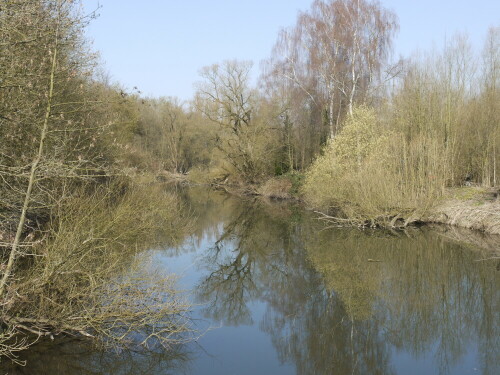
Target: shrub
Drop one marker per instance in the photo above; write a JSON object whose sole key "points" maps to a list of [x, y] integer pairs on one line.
{"points": [[91, 276], [369, 173]]}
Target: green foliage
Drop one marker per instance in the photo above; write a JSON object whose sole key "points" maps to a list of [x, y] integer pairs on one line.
{"points": [[438, 130], [371, 173], [297, 180], [341, 159]]}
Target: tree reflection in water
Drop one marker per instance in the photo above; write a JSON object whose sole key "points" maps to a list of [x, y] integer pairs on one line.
{"points": [[337, 301], [344, 301], [75, 356]]}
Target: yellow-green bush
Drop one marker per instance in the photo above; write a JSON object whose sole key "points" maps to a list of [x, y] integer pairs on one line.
{"points": [[371, 173]]}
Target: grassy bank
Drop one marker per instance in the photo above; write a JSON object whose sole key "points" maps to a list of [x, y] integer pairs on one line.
{"points": [[473, 208]]}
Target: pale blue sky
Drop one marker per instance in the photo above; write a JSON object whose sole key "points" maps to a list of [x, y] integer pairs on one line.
{"points": [[160, 45]]}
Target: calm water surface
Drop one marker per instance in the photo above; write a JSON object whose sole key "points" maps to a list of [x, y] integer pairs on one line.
{"points": [[276, 293]]}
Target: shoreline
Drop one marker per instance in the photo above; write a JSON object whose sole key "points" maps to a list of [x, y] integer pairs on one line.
{"points": [[473, 208], [483, 217]]}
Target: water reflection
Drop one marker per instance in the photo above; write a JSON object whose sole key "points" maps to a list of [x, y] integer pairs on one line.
{"points": [[333, 301], [237, 265], [345, 301], [74, 356]]}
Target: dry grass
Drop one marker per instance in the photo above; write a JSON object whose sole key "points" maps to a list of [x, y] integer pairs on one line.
{"points": [[276, 188], [215, 175], [489, 245], [479, 211]]}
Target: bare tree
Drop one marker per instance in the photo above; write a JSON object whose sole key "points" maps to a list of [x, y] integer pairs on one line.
{"points": [[228, 94], [54, 154], [491, 89], [335, 53], [48, 133], [226, 98]]}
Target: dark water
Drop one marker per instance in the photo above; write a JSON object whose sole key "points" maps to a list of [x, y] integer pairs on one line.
{"points": [[276, 293]]}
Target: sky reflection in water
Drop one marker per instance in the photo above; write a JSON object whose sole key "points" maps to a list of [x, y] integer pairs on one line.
{"points": [[279, 294]]}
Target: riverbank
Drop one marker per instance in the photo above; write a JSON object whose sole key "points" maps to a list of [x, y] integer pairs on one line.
{"points": [[86, 273], [475, 208], [269, 271], [470, 207]]}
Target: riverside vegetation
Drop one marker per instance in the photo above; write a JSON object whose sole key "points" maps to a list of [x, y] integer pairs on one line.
{"points": [[364, 140], [71, 226], [321, 301]]}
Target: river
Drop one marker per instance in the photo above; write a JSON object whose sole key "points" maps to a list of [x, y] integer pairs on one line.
{"points": [[276, 292]]}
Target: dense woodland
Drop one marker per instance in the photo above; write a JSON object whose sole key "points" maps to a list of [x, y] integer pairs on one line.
{"points": [[334, 118]]}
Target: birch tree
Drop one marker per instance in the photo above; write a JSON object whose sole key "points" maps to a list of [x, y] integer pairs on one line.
{"points": [[335, 53]]}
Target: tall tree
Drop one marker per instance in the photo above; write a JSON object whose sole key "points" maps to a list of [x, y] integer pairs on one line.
{"points": [[226, 98], [48, 135], [335, 53]]}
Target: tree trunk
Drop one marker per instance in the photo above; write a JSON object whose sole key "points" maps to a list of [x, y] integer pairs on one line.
{"points": [[330, 117], [34, 166]]}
